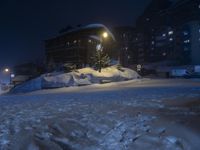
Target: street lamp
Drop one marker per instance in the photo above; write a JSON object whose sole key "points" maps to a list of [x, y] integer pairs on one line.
{"points": [[7, 70], [105, 35], [99, 51], [11, 75]]}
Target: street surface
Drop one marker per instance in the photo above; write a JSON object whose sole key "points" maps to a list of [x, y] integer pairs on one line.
{"points": [[157, 114]]}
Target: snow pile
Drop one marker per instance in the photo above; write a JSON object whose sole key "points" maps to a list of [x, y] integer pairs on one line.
{"points": [[4, 88], [56, 81], [28, 86], [85, 76], [112, 73], [1, 91]]}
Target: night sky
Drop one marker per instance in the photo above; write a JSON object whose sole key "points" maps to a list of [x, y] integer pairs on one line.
{"points": [[26, 24]]}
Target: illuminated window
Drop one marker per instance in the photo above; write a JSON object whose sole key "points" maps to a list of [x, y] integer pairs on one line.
{"points": [[12, 75], [171, 39], [185, 33], [164, 35], [187, 41], [164, 54], [147, 19], [126, 48], [171, 32]]}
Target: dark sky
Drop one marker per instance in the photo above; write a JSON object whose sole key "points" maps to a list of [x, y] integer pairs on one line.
{"points": [[24, 24]]}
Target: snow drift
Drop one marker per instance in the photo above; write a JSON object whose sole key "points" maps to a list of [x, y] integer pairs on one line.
{"points": [[81, 77]]}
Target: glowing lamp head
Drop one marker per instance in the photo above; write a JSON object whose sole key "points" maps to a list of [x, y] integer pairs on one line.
{"points": [[105, 34], [6, 70]]}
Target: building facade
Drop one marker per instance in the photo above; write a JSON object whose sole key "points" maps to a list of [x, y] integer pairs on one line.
{"points": [[77, 46], [125, 44], [24, 72], [169, 30]]}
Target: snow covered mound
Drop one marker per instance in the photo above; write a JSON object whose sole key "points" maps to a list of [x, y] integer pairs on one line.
{"points": [[85, 76]]}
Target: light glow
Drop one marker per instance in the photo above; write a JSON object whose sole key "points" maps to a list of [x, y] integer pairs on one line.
{"points": [[105, 34], [7, 70]]}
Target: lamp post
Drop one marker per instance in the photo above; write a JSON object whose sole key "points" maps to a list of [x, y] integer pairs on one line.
{"points": [[11, 75], [99, 49], [103, 36]]}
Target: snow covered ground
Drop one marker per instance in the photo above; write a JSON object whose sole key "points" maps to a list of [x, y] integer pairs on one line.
{"points": [[137, 114]]}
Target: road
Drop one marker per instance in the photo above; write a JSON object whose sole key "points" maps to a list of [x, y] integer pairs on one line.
{"points": [[140, 114]]}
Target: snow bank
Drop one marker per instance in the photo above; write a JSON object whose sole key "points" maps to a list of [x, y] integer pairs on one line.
{"points": [[85, 76], [56, 81], [32, 85], [5, 88], [112, 73], [1, 92]]}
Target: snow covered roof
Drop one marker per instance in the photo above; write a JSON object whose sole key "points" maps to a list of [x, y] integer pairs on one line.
{"points": [[100, 26], [93, 26], [95, 37]]}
